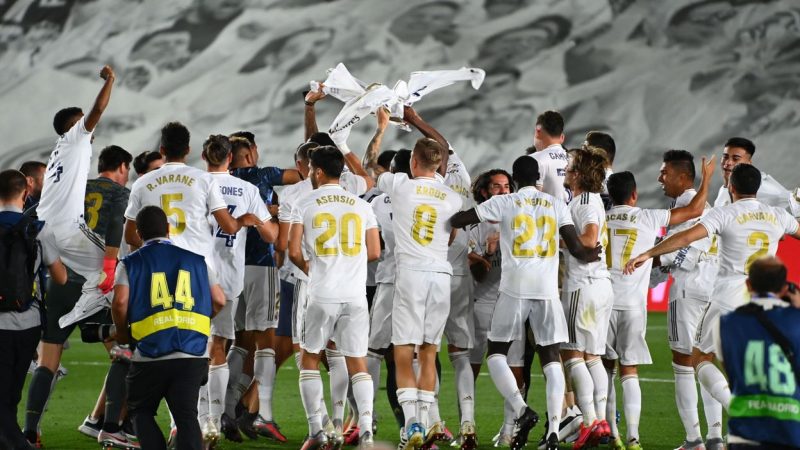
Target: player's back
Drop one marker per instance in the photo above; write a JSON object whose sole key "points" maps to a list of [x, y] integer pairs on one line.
{"points": [[631, 232], [334, 227], [553, 169], [421, 209], [382, 207], [529, 233], [188, 196], [65, 176], [105, 201], [748, 230], [586, 209]]}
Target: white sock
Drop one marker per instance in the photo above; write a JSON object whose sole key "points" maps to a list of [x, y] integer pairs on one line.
{"points": [[298, 360], [374, 361], [600, 380], [217, 382], [264, 372], [715, 382], [555, 384], [424, 401], [362, 391], [465, 385], [631, 405], [583, 387], [310, 393], [202, 405], [713, 412], [407, 397], [505, 382], [611, 405], [433, 412], [686, 400], [236, 357], [340, 381], [509, 415]]}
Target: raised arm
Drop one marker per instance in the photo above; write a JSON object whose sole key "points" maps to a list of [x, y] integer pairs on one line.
{"points": [[668, 245], [697, 205], [310, 115], [351, 159], [370, 161], [586, 253], [412, 118], [102, 99]]}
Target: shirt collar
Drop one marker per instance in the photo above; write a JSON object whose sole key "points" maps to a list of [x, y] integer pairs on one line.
{"points": [[157, 240], [330, 186], [10, 208], [769, 302]]}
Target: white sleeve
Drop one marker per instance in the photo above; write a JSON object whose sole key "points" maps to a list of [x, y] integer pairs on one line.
{"points": [[563, 216], [474, 240], [386, 182], [656, 218], [788, 222], [121, 275], [134, 202], [215, 200], [285, 207], [369, 218], [714, 220], [258, 207], [585, 215], [491, 209], [78, 132], [356, 184], [49, 251]]}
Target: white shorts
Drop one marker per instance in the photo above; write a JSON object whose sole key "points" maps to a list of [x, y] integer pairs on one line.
{"points": [[588, 310], [626, 338], [460, 326], [82, 250], [380, 318], [546, 319], [683, 317], [483, 320], [260, 299], [299, 308], [345, 323], [704, 338], [420, 307], [222, 324]]}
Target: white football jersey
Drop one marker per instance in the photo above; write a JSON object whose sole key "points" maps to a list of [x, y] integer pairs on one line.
{"points": [[770, 193], [748, 230], [335, 223], [421, 210], [552, 171], [693, 268], [188, 196], [586, 209], [65, 177], [241, 197], [288, 199], [382, 207], [457, 179], [529, 234], [487, 290], [631, 232]]}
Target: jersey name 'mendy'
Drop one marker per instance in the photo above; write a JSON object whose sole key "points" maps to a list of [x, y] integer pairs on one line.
{"points": [[171, 178], [430, 192], [334, 198], [533, 202]]}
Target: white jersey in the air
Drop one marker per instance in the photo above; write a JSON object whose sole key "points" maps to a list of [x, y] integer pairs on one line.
{"points": [[421, 210], [694, 267], [631, 232], [188, 196], [748, 230], [335, 223], [241, 197], [65, 177], [288, 199], [552, 171], [457, 178], [586, 209], [485, 291], [382, 207], [529, 233]]}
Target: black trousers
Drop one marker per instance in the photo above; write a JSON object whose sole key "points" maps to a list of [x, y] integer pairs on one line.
{"points": [[17, 349], [176, 380]]}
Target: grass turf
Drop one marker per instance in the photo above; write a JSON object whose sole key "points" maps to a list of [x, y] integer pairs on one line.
{"points": [[75, 396]]}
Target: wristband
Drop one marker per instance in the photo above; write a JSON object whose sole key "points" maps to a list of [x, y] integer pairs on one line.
{"points": [[308, 103], [344, 148]]}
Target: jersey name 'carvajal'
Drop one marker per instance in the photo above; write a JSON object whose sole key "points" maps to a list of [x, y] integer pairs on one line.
{"points": [[757, 215]]}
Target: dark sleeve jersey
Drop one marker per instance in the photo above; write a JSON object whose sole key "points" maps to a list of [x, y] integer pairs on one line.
{"points": [[104, 213]]}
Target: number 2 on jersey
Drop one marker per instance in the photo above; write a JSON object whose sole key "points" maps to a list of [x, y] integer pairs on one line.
{"points": [[547, 246], [424, 222], [349, 226], [174, 211], [756, 239]]}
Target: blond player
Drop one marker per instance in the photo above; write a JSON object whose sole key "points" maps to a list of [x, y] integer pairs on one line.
{"points": [[631, 230], [421, 208], [341, 232], [241, 197], [531, 224], [748, 230]]}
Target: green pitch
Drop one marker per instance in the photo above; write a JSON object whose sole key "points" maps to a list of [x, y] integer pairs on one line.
{"points": [[660, 428]]}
